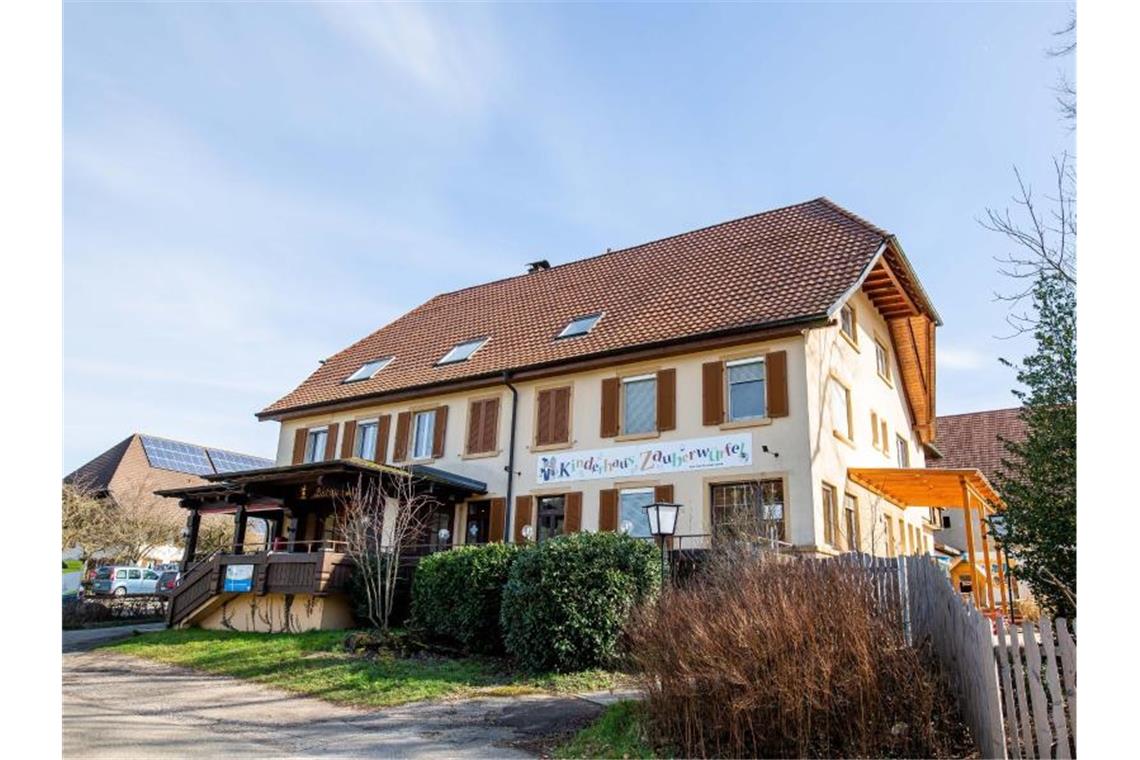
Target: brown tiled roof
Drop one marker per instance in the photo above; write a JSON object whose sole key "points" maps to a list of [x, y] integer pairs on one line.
{"points": [[783, 266], [97, 474], [972, 440]]}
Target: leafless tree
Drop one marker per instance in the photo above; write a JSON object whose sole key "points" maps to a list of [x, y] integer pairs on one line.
{"points": [[379, 521], [86, 520], [140, 521], [1065, 89]]}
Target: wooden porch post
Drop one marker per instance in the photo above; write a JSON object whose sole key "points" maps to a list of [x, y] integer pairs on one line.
{"points": [[1006, 602], [193, 521], [239, 528], [970, 545], [983, 526], [291, 516]]}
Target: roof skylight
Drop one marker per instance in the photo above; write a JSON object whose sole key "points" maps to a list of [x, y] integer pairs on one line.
{"points": [[462, 351], [368, 370], [580, 325]]}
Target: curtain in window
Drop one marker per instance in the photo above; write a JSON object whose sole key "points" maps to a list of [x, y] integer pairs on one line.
{"points": [[746, 390], [640, 406]]}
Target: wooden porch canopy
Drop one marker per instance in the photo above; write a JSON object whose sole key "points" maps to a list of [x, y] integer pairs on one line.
{"points": [[965, 489]]}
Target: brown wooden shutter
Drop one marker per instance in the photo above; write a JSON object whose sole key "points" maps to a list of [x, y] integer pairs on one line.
{"points": [[475, 412], [348, 440], [561, 415], [490, 433], [608, 509], [573, 518], [330, 441], [440, 432], [403, 425], [667, 399], [663, 494], [300, 438], [776, 368], [498, 527], [611, 404], [382, 428], [543, 417], [524, 515], [712, 393]]}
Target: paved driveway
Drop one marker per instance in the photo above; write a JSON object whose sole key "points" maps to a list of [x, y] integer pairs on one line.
{"points": [[116, 706]]}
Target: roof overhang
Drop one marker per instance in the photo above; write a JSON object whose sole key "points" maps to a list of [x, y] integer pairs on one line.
{"points": [[245, 486], [919, 487]]}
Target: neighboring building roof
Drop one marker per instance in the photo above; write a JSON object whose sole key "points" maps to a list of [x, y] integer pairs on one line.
{"points": [[788, 266], [973, 440], [164, 454]]}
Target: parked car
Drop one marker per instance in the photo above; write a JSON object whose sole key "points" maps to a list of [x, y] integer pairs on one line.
{"points": [[167, 581], [117, 580]]}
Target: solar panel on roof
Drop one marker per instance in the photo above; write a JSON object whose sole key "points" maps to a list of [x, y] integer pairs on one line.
{"points": [[230, 461], [176, 456]]}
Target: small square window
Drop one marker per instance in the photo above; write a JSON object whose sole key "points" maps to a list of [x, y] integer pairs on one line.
{"points": [[424, 435], [746, 389], [882, 360], [945, 522], [580, 326], [841, 410], [902, 449], [639, 404], [830, 514], [847, 323], [463, 351], [368, 370]]}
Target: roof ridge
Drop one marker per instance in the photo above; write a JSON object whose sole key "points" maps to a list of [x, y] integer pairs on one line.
{"points": [[853, 216], [610, 252], [981, 411]]}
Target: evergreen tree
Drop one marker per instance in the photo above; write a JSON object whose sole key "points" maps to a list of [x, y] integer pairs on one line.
{"points": [[1039, 474]]}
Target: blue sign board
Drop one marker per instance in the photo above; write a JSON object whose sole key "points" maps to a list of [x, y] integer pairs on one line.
{"points": [[238, 578]]}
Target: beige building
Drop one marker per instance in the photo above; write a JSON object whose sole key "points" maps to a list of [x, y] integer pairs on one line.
{"points": [[739, 368]]}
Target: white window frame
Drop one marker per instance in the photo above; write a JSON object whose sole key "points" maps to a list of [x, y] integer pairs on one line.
{"points": [[633, 491], [358, 438], [624, 419], [360, 375], [597, 317], [728, 415], [311, 453], [902, 445], [430, 434], [884, 371], [453, 357]]}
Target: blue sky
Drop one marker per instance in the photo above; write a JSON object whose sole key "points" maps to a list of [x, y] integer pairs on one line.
{"points": [[250, 188]]}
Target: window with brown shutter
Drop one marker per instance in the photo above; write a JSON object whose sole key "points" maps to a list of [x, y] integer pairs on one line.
{"points": [[482, 426], [611, 402], [524, 515], [403, 426], [663, 494], [552, 423], [608, 509], [667, 399], [498, 527], [712, 393], [300, 438], [573, 523], [330, 442], [383, 426], [440, 432], [777, 380], [348, 439]]}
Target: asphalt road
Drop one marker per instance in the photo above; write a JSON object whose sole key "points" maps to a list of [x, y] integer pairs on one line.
{"points": [[116, 706]]}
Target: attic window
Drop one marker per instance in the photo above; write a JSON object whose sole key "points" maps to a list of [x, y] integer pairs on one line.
{"points": [[580, 325], [463, 351], [368, 370]]}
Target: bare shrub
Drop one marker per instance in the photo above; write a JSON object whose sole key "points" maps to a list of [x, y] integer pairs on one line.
{"points": [[763, 657]]}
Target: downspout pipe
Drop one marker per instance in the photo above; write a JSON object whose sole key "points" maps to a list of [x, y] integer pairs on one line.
{"points": [[510, 457]]}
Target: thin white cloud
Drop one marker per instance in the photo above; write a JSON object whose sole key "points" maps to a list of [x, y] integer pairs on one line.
{"points": [[457, 63], [956, 358]]}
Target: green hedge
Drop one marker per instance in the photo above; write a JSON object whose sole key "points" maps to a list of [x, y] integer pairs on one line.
{"points": [[456, 595], [567, 599]]}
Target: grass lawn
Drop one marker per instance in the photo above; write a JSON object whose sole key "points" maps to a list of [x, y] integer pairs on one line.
{"points": [[615, 734], [72, 565], [315, 664]]}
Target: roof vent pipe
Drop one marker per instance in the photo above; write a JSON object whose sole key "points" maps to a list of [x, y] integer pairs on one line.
{"points": [[537, 266]]}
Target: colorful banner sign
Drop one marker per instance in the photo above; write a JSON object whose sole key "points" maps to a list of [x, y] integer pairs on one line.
{"points": [[238, 578], [646, 459]]}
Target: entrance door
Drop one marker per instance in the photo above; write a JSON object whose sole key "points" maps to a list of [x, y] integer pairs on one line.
{"points": [[478, 522]]}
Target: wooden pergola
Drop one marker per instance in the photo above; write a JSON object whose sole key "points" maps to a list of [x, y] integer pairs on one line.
{"points": [[967, 490]]}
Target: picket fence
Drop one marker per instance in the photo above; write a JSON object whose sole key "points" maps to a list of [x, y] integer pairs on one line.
{"points": [[1015, 685]]}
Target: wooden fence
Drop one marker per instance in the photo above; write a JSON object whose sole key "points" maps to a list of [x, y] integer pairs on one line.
{"points": [[1016, 687]]}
